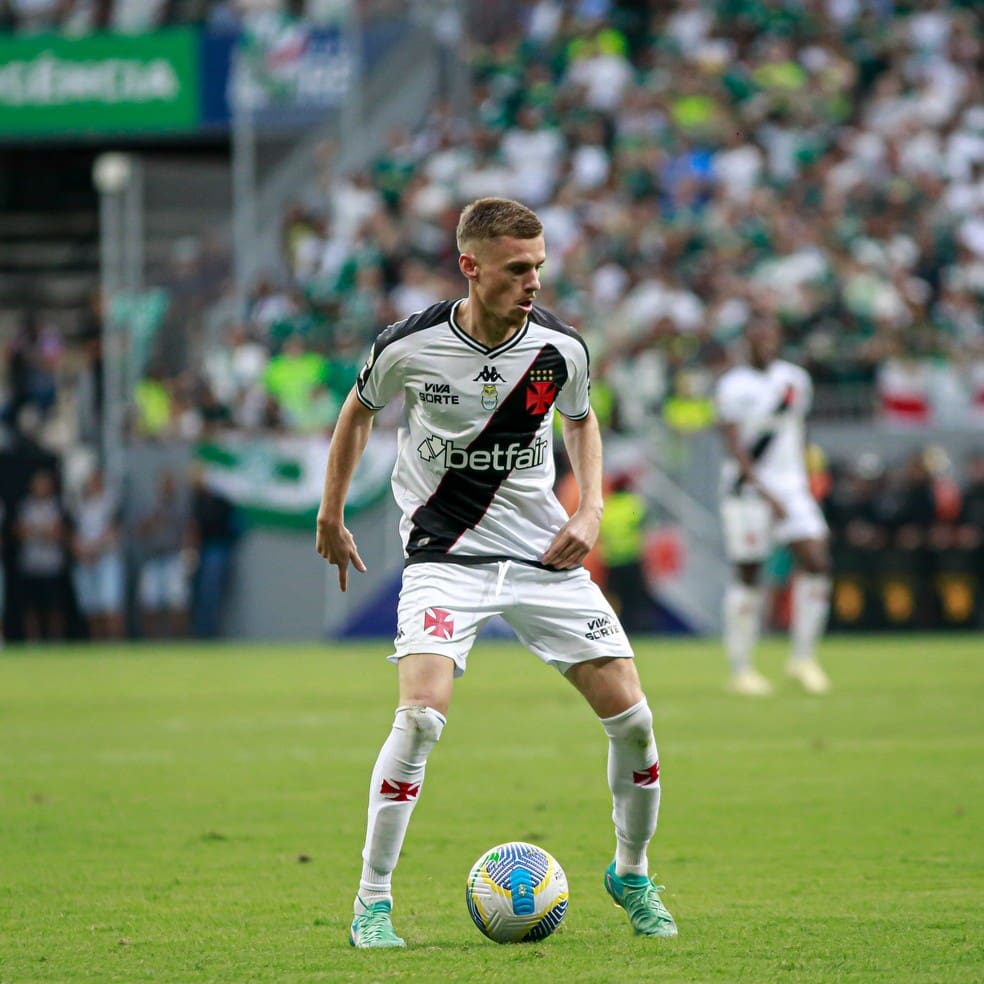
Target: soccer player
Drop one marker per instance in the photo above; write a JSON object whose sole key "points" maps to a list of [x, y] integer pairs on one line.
{"points": [[766, 499], [483, 534]]}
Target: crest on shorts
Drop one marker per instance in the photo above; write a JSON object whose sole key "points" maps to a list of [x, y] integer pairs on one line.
{"points": [[490, 396], [438, 622]]}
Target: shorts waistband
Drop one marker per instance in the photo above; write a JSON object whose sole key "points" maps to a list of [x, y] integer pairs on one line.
{"points": [[473, 560]]}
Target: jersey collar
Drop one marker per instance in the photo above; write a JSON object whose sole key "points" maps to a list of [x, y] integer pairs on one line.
{"points": [[475, 343]]}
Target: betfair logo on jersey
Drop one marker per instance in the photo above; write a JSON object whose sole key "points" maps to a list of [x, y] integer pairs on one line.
{"points": [[489, 374], [438, 393], [501, 458]]}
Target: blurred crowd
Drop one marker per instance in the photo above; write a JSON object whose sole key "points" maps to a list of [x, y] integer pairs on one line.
{"points": [[78, 565], [78, 17], [907, 540], [924, 502], [693, 163]]}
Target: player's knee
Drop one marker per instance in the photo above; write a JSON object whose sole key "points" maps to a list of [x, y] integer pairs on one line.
{"points": [[818, 568], [815, 560], [423, 725], [748, 574], [634, 726]]}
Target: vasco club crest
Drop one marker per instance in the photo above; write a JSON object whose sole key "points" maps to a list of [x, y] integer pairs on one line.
{"points": [[490, 396]]}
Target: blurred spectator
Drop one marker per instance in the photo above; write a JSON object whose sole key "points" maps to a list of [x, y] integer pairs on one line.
{"points": [[907, 541], [32, 360], [99, 570], [913, 511], [42, 532], [856, 508], [3, 569], [162, 534], [294, 377], [214, 530], [154, 404], [622, 545], [234, 367], [972, 514]]}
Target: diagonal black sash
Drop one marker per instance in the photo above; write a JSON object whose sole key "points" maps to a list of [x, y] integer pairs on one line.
{"points": [[464, 495], [762, 442]]}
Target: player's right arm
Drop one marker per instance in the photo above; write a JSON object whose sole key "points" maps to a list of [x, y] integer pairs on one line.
{"points": [[334, 542], [746, 467], [730, 399]]}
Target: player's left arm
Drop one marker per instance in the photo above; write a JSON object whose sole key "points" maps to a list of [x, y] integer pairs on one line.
{"points": [[577, 536]]}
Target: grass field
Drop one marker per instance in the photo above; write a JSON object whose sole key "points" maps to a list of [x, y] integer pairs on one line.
{"points": [[187, 814]]}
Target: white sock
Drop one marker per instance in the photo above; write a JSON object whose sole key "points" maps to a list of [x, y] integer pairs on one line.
{"points": [[393, 791], [811, 606], [633, 777], [742, 621]]}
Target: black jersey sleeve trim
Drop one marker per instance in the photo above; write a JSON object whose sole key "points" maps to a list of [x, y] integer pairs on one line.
{"points": [[546, 319], [366, 403], [436, 314]]}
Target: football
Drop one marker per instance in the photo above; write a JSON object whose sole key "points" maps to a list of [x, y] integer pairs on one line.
{"points": [[517, 893]]}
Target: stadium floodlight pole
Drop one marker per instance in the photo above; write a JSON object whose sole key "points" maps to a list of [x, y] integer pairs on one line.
{"points": [[133, 342], [111, 174], [244, 183], [133, 275]]}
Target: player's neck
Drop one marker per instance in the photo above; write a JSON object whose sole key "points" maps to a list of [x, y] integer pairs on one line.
{"points": [[484, 327]]}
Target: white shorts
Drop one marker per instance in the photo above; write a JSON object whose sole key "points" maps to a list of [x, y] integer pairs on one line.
{"points": [[750, 529], [561, 616], [163, 584], [99, 585]]}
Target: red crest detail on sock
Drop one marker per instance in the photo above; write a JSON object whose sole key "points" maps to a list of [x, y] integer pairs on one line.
{"points": [[648, 776], [399, 792]]}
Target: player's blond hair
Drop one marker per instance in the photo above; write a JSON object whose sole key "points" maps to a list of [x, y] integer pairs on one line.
{"points": [[488, 218]]}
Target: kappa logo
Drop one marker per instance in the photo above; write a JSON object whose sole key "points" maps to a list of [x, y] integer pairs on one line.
{"points": [[489, 374], [603, 625], [438, 622]]}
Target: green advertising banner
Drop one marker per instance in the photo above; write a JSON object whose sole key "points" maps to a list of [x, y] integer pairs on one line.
{"points": [[51, 85]]}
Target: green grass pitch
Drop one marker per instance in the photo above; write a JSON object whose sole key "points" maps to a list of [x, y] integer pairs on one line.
{"points": [[196, 814]]}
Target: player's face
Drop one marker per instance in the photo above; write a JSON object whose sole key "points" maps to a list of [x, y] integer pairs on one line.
{"points": [[764, 342], [507, 276]]}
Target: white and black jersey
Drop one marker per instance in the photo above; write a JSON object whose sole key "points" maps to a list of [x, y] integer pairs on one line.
{"points": [[474, 473], [769, 407]]}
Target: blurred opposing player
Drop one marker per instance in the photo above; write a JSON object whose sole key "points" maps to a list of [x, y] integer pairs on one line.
{"points": [[483, 534], [766, 499]]}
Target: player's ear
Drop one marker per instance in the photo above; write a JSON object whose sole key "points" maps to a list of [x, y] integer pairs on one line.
{"points": [[468, 265]]}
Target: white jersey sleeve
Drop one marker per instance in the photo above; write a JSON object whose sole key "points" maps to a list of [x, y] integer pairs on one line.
{"points": [[731, 397], [377, 382], [383, 375]]}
